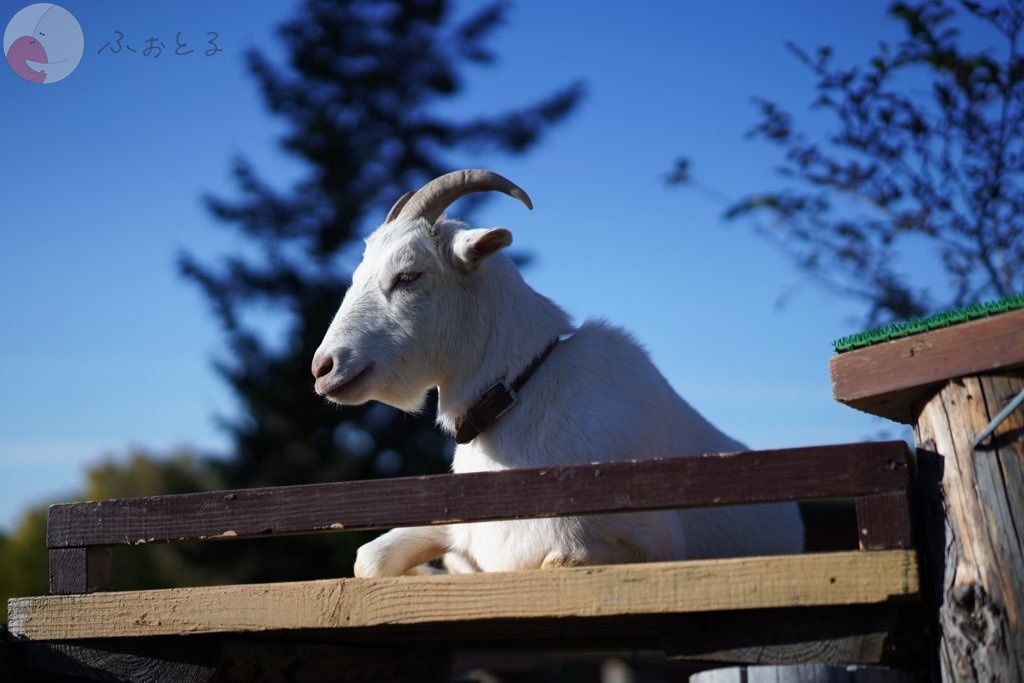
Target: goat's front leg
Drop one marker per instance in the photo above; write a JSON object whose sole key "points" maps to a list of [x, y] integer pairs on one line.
{"points": [[401, 550]]}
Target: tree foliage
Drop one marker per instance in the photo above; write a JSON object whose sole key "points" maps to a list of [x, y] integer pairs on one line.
{"points": [[924, 162], [359, 94], [24, 568]]}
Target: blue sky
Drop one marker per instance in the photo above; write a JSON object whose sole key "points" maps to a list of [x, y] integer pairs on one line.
{"points": [[104, 347]]}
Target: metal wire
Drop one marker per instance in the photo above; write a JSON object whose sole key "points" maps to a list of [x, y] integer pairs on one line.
{"points": [[998, 420]]}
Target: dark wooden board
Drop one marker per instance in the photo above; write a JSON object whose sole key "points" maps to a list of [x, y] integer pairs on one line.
{"points": [[842, 471], [852, 634], [865, 634], [79, 570], [888, 379], [883, 521], [862, 634], [135, 660]]}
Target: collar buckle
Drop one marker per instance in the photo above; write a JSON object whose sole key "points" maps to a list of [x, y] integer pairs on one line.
{"points": [[491, 406], [494, 403], [498, 400]]}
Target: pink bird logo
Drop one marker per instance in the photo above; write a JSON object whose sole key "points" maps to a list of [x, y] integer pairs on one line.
{"points": [[23, 50], [43, 43]]}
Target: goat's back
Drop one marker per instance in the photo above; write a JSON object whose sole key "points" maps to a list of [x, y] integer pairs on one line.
{"points": [[599, 397]]}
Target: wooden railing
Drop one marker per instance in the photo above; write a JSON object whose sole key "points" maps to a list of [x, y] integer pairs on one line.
{"points": [[958, 386], [876, 475], [858, 606]]}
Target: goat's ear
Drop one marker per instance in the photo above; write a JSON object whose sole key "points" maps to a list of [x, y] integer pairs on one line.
{"points": [[473, 246]]}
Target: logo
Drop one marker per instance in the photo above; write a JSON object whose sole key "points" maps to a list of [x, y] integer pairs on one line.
{"points": [[43, 43]]}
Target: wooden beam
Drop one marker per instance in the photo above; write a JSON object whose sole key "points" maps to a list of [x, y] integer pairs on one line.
{"points": [[888, 379], [883, 521], [843, 471], [149, 660], [853, 634], [865, 634], [79, 570], [851, 578], [185, 659]]}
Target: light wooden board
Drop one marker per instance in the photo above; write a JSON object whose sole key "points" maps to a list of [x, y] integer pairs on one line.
{"points": [[850, 578]]}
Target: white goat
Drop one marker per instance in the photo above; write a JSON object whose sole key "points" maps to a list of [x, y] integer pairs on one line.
{"points": [[436, 304]]}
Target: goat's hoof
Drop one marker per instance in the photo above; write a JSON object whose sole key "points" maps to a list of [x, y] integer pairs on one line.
{"points": [[554, 560]]}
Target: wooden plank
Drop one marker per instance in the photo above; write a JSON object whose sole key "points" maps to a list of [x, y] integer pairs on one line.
{"points": [[888, 379], [201, 659], [867, 634], [876, 633], [186, 659], [601, 591], [750, 477], [79, 570], [243, 662], [883, 521], [853, 634], [136, 661]]}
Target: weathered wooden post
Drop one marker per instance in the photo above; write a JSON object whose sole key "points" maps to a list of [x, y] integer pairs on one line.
{"points": [[961, 388]]}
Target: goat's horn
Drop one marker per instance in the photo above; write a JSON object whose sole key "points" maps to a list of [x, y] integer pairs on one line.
{"points": [[397, 207], [432, 199]]}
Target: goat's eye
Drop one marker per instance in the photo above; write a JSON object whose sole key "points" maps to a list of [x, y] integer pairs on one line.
{"points": [[404, 279]]}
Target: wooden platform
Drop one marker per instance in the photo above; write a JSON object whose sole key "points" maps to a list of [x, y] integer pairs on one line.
{"points": [[844, 607], [891, 378], [833, 579]]}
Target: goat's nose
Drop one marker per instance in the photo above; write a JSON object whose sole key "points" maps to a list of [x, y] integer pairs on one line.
{"points": [[322, 365]]}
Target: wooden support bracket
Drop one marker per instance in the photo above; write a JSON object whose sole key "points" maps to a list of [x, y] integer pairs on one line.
{"points": [[79, 570], [883, 521]]}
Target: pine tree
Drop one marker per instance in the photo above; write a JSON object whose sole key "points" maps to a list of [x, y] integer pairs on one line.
{"points": [[358, 93]]}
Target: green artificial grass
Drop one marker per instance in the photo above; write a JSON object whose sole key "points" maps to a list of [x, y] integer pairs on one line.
{"points": [[932, 322]]}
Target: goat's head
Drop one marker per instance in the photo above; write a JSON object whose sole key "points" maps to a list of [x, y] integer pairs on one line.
{"points": [[411, 297]]}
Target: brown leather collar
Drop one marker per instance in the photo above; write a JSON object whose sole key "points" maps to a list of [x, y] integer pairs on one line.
{"points": [[497, 401]]}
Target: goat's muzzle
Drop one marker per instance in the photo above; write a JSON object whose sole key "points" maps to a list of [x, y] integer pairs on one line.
{"points": [[337, 373], [323, 363]]}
